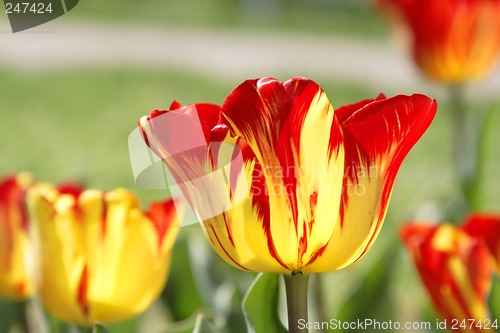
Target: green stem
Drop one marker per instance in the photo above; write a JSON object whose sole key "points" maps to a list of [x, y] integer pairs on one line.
{"points": [[468, 138], [464, 152], [319, 297], [296, 286], [100, 328], [22, 316], [70, 328], [85, 329]]}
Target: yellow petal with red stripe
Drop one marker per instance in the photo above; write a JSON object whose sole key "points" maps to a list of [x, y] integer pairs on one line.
{"points": [[93, 246], [378, 134], [295, 168], [16, 282]]}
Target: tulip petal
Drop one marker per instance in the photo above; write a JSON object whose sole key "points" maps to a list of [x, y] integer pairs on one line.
{"points": [[61, 264], [237, 234], [100, 257], [15, 280], [453, 41], [377, 137], [487, 228], [455, 268], [299, 156], [195, 150], [129, 287], [163, 216], [181, 138]]}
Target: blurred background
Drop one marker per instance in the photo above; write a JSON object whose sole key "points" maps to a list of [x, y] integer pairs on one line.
{"points": [[73, 89]]}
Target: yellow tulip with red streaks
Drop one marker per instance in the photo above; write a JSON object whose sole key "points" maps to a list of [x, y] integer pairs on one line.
{"points": [[16, 282], [100, 258], [316, 182]]}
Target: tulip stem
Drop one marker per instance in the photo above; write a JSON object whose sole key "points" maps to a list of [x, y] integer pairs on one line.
{"points": [[296, 285], [69, 328], [22, 308], [465, 147]]}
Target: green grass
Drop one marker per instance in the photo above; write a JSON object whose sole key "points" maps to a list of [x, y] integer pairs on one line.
{"points": [[319, 16], [73, 125]]}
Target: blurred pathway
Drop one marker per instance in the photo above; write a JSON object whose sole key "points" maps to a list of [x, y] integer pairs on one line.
{"points": [[221, 54]]}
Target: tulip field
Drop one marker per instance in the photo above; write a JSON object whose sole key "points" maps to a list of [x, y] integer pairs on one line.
{"points": [[285, 204]]}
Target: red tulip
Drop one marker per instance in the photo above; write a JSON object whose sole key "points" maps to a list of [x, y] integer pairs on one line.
{"points": [[456, 269], [453, 40], [487, 228]]}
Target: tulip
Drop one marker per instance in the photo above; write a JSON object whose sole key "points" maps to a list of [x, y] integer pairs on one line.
{"points": [[99, 257], [454, 41], [179, 136], [15, 280], [487, 228], [456, 269], [315, 183]]}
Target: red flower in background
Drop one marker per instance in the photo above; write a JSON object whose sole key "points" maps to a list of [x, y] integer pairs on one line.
{"points": [[15, 280], [456, 269], [453, 40], [487, 228]]}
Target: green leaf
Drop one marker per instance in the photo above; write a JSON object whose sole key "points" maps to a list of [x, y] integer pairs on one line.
{"points": [[181, 292], [494, 300], [482, 129], [371, 297], [99, 328], [488, 160], [220, 285], [127, 326], [260, 305], [11, 313], [203, 325], [184, 326]]}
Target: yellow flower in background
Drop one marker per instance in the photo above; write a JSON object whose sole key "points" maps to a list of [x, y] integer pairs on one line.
{"points": [[99, 257], [15, 280], [453, 41]]}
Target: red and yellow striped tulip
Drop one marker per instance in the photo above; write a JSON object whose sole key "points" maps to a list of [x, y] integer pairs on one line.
{"points": [[15, 280], [487, 228], [456, 269], [180, 137], [454, 41], [316, 182], [99, 257]]}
